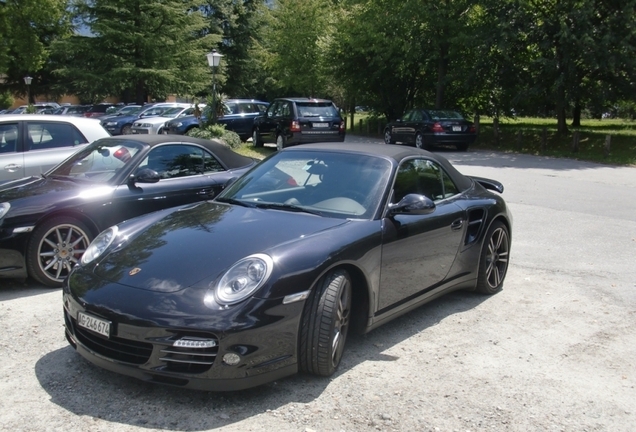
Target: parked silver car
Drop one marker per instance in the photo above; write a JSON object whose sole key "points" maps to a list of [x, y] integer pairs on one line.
{"points": [[154, 125], [31, 144]]}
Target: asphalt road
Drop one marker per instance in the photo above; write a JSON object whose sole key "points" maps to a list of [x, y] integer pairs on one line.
{"points": [[555, 350]]}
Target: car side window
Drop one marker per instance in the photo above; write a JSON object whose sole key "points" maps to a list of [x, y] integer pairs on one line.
{"points": [[173, 161], [8, 137], [42, 135], [423, 177], [416, 116], [407, 116], [273, 109]]}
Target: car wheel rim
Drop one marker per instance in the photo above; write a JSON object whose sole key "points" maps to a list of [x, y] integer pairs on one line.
{"points": [[497, 257], [341, 324], [126, 130], [387, 137], [418, 141], [60, 249]]}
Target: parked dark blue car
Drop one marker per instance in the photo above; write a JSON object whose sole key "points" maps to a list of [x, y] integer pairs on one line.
{"points": [[122, 125], [238, 116]]}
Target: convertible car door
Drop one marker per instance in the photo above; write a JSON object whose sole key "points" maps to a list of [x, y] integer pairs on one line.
{"points": [[419, 250], [189, 174]]}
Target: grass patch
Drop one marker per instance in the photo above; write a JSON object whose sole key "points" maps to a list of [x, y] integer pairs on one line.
{"points": [[247, 149]]}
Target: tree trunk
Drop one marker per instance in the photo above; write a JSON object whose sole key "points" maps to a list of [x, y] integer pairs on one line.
{"points": [[576, 115]]}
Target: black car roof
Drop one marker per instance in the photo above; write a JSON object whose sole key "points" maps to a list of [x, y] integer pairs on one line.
{"points": [[230, 158], [395, 152]]}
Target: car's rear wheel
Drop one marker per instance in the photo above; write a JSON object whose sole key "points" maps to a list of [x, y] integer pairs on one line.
{"points": [[126, 130], [419, 141], [55, 247], [493, 262], [388, 137], [256, 139], [325, 324], [281, 142]]}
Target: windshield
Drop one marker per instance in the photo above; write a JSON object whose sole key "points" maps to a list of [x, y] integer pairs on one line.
{"points": [[445, 115], [172, 112], [322, 109], [332, 184], [98, 162]]}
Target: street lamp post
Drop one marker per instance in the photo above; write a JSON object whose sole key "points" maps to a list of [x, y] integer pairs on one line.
{"points": [[27, 81], [214, 60]]}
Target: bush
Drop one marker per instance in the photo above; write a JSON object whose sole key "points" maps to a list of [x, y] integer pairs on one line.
{"points": [[216, 131], [6, 100]]}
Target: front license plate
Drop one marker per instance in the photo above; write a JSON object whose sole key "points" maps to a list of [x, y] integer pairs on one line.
{"points": [[92, 323], [457, 128], [317, 125]]}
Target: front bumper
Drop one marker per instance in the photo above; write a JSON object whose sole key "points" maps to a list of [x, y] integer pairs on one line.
{"points": [[262, 333]]}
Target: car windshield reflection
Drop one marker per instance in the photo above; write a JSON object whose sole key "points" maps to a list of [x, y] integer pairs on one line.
{"points": [[327, 184], [99, 162]]}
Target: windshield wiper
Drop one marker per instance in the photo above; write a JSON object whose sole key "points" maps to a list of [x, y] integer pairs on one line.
{"points": [[234, 201], [288, 207]]}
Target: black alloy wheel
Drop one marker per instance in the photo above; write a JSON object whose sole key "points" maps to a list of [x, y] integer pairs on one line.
{"points": [[55, 247], [325, 324], [493, 262]]}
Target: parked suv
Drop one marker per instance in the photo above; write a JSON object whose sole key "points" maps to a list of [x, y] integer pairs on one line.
{"points": [[291, 121], [238, 116]]}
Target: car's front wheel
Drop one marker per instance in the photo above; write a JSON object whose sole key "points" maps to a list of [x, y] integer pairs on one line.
{"points": [[55, 247], [325, 324], [281, 142], [388, 137], [493, 262], [256, 139], [126, 130]]}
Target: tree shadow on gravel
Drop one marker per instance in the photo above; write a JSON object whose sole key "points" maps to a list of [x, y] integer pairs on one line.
{"points": [[86, 390]]}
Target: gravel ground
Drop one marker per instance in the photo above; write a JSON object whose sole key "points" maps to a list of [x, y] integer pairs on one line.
{"points": [[554, 351]]}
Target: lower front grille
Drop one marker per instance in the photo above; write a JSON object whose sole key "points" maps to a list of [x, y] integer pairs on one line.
{"points": [[122, 350], [188, 359]]}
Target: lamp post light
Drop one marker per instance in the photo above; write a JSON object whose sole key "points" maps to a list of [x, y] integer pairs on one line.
{"points": [[214, 60], [27, 81]]}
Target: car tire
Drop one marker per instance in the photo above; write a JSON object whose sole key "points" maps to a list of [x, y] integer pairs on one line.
{"points": [[388, 137], [256, 139], [325, 324], [55, 247], [281, 142], [419, 141], [493, 261], [462, 147], [126, 129]]}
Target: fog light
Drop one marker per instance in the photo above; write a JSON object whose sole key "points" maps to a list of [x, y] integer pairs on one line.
{"points": [[231, 359]]}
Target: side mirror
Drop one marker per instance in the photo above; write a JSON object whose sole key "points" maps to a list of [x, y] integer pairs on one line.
{"points": [[413, 204], [144, 175]]}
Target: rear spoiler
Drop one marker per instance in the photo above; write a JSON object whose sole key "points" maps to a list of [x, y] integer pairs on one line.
{"points": [[489, 183]]}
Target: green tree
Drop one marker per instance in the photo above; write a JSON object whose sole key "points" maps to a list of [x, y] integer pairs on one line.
{"points": [[147, 48], [27, 28]]}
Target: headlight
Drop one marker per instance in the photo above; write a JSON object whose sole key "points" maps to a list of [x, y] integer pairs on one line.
{"points": [[179, 124], [146, 125], [99, 245], [111, 124], [243, 278], [4, 209]]}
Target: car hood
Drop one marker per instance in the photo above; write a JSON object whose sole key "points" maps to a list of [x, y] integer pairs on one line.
{"points": [[35, 195], [175, 249]]}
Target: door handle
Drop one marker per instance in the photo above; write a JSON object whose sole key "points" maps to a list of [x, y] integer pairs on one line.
{"points": [[457, 224], [12, 167]]}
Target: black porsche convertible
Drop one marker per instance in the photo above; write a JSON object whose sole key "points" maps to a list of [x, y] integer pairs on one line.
{"points": [[269, 277], [47, 221]]}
